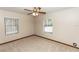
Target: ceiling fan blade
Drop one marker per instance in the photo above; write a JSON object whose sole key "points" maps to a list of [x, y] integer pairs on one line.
{"points": [[27, 10], [42, 12], [29, 13]]}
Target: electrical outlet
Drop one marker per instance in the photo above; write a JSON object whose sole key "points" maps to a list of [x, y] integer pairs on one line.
{"points": [[74, 44]]}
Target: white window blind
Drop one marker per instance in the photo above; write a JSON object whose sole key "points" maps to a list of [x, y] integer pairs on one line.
{"points": [[48, 26], [11, 25]]}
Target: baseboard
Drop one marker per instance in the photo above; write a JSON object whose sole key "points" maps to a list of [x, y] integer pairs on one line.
{"points": [[57, 41], [17, 39]]}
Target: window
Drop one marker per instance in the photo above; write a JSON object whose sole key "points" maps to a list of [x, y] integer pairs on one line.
{"points": [[48, 26], [11, 25]]}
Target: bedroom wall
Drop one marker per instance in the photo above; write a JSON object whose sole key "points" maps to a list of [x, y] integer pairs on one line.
{"points": [[26, 26], [66, 25]]}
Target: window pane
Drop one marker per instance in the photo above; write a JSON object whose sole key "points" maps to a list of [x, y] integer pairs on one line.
{"points": [[48, 29], [11, 25], [49, 22]]}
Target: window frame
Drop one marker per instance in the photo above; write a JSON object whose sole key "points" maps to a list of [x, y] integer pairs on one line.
{"points": [[16, 24], [44, 24]]}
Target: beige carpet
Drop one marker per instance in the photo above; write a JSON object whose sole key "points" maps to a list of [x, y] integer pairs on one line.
{"points": [[35, 44]]}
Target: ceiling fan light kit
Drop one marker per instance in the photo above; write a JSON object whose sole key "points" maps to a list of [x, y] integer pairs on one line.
{"points": [[35, 12]]}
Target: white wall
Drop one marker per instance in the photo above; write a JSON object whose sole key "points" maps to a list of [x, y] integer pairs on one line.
{"points": [[66, 25], [26, 26]]}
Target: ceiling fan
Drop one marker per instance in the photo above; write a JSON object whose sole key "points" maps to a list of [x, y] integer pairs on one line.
{"points": [[35, 12]]}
